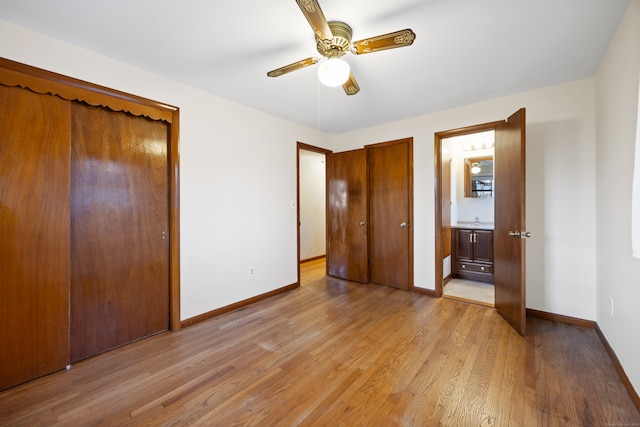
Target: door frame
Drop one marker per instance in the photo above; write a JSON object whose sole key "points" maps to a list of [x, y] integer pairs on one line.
{"points": [[437, 156], [307, 147]]}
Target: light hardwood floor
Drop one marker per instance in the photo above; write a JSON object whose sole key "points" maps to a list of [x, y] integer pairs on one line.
{"points": [[334, 353]]}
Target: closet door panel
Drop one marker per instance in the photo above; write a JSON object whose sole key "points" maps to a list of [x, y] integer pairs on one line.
{"points": [[347, 251], [390, 250], [34, 235], [119, 229]]}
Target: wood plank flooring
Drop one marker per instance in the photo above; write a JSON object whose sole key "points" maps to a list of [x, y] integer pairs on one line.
{"points": [[335, 353]]}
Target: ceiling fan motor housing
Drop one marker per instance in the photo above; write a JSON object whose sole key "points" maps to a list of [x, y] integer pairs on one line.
{"points": [[339, 44]]}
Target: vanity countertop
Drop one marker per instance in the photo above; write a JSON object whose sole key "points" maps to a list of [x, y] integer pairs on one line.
{"points": [[474, 225]]}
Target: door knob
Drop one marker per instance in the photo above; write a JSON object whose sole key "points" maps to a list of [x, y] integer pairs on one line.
{"points": [[403, 224], [363, 223], [520, 234]]}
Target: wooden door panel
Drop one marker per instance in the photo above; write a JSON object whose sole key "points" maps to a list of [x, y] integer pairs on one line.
{"points": [[464, 244], [483, 246], [509, 200], [34, 235], [347, 251], [119, 230], [390, 208]]}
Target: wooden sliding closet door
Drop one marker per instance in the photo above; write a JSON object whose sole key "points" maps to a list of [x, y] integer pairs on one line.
{"points": [[34, 235], [119, 229]]}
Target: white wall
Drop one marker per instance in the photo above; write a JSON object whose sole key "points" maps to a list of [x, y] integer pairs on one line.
{"points": [[313, 211], [467, 209], [237, 181], [560, 189], [618, 273]]}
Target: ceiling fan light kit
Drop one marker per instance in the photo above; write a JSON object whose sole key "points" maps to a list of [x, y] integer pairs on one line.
{"points": [[333, 72], [333, 40]]}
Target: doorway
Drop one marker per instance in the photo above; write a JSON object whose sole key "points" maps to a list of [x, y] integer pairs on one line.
{"points": [[508, 246], [311, 203], [468, 217]]}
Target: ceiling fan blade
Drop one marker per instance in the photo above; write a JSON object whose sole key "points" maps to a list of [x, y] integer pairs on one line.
{"points": [[292, 67], [351, 85], [385, 41], [313, 13]]}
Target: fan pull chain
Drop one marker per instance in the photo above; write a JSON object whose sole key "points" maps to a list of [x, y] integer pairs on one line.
{"points": [[318, 106]]}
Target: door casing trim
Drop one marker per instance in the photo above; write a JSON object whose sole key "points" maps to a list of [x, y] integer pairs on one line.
{"points": [[437, 161]]}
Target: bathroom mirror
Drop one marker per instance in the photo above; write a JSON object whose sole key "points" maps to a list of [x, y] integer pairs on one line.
{"points": [[478, 176]]}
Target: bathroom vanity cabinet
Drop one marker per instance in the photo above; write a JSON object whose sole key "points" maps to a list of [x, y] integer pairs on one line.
{"points": [[472, 254]]}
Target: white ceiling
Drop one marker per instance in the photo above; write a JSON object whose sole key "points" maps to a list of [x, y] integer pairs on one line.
{"points": [[465, 50]]}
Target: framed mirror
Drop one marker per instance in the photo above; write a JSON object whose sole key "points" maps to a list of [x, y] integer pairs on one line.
{"points": [[478, 176]]}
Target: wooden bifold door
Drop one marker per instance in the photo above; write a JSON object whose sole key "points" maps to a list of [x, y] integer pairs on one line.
{"points": [[85, 222]]}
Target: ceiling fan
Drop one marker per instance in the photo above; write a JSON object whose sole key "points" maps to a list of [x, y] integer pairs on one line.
{"points": [[333, 41]]}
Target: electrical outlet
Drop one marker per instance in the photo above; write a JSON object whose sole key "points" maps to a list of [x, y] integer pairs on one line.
{"points": [[611, 306], [252, 271]]}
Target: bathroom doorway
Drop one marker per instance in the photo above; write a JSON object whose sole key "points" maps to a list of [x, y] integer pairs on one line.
{"points": [[500, 252], [468, 216]]}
